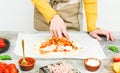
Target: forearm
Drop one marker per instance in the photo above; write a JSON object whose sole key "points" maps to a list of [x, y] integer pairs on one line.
{"points": [[91, 14], [46, 10]]}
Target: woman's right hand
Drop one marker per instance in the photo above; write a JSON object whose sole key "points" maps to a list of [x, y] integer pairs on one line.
{"points": [[58, 27]]}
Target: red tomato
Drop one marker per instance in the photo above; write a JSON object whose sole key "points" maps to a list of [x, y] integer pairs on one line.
{"points": [[116, 59], [1, 71], [6, 70], [11, 65], [2, 45], [2, 65], [13, 70], [1, 40]]}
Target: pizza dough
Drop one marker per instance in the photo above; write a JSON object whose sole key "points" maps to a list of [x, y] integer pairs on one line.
{"points": [[56, 45]]}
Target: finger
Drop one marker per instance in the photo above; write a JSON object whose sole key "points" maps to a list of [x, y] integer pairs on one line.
{"points": [[51, 32], [112, 37], [51, 29], [65, 33], [96, 37], [107, 36], [59, 33], [55, 32]]}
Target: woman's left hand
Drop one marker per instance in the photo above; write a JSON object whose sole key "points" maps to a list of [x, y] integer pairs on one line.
{"points": [[95, 34]]}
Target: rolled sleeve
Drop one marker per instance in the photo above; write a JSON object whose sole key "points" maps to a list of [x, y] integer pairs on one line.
{"points": [[91, 14], [46, 10]]}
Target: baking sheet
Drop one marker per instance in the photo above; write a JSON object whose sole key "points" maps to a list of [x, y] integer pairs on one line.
{"points": [[90, 46]]}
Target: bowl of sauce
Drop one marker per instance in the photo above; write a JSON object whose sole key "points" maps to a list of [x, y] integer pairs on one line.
{"points": [[30, 63]]}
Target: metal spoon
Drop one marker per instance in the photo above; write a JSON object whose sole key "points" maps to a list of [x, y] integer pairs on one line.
{"points": [[23, 62]]}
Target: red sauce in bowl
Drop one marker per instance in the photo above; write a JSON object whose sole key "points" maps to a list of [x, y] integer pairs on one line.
{"points": [[30, 63]]}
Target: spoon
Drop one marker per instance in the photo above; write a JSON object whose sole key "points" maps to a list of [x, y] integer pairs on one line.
{"points": [[23, 62]]}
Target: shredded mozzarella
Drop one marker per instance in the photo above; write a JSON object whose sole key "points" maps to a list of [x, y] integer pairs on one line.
{"points": [[93, 62], [68, 48], [49, 48]]}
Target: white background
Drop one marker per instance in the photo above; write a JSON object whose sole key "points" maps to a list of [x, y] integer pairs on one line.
{"points": [[17, 15]]}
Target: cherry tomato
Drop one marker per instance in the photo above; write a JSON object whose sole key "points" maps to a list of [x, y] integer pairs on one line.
{"points": [[1, 40], [3, 63], [2, 44], [1, 71], [6, 70], [2, 66], [13, 70], [116, 59], [11, 65]]}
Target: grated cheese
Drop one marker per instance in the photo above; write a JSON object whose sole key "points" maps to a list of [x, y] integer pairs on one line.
{"points": [[93, 62]]}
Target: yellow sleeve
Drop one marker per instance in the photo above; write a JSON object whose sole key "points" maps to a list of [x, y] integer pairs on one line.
{"points": [[91, 14], [46, 10]]}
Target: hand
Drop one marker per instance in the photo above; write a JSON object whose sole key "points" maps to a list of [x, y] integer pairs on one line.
{"points": [[58, 27], [97, 32]]}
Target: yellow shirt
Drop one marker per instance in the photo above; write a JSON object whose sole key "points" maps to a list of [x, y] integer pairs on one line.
{"points": [[90, 10]]}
